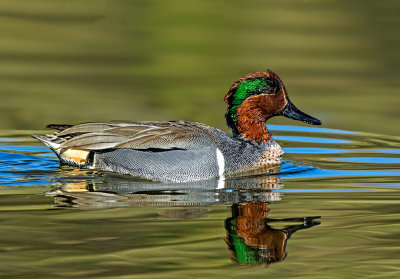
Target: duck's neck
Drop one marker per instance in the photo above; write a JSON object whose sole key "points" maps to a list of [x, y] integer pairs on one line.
{"points": [[250, 124]]}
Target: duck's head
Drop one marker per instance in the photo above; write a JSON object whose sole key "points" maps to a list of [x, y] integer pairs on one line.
{"points": [[256, 97]]}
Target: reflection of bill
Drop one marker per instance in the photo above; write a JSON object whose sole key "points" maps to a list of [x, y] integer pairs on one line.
{"points": [[252, 241]]}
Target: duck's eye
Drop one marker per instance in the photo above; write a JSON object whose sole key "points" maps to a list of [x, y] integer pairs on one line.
{"points": [[273, 85]]}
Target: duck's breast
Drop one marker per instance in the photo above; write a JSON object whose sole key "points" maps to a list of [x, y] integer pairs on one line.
{"points": [[241, 156]]}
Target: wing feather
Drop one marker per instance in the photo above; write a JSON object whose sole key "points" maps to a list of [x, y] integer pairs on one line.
{"points": [[134, 135]]}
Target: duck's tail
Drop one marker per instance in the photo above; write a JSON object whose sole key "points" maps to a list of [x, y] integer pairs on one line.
{"points": [[73, 157], [49, 140]]}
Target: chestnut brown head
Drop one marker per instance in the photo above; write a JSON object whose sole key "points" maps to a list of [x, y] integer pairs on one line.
{"points": [[256, 97]]}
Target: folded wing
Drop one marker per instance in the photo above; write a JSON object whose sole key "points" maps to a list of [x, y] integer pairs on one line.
{"points": [[132, 135]]}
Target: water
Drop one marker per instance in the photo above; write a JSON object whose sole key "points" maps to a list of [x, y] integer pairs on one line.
{"points": [[330, 211]]}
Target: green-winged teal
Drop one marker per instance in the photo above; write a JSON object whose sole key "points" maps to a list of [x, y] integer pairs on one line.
{"points": [[181, 150]]}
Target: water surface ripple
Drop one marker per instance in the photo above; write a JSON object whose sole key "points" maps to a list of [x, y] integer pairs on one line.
{"points": [[333, 203]]}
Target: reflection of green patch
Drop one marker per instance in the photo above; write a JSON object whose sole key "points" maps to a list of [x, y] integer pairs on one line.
{"points": [[245, 89], [244, 254]]}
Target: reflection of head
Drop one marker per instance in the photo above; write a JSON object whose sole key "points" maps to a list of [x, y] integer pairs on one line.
{"points": [[250, 239]]}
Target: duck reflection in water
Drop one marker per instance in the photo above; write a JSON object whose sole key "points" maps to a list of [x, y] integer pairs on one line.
{"points": [[250, 237], [252, 241]]}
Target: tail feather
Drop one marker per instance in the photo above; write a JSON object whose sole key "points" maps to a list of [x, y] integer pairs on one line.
{"points": [[72, 157], [48, 141]]}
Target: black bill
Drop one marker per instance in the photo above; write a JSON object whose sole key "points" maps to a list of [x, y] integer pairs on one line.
{"points": [[292, 112]]}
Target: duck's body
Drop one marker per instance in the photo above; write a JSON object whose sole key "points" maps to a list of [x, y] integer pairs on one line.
{"points": [[183, 151], [168, 151]]}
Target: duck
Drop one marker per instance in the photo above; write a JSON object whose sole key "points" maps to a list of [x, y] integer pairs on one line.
{"points": [[181, 151]]}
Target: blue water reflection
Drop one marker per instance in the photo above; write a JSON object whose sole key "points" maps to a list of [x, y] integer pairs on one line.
{"points": [[24, 148], [308, 129], [302, 150], [310, 139], [371, 160], [290, 171], [312, 150]]}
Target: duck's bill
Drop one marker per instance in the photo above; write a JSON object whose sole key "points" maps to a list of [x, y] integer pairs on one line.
{"points": [[292, 112]]}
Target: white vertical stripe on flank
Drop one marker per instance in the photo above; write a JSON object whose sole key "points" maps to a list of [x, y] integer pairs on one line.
{"points": [[221, 169], [221, 162]]}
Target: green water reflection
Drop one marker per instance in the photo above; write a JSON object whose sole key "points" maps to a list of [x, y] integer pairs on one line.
{"points": [[76, 61], [355, 237]]}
